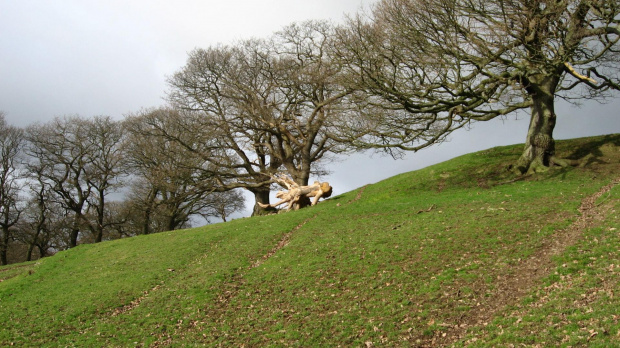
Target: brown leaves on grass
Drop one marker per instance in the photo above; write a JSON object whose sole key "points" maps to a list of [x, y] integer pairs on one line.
{"points": [[135, 303], [524, 275]]}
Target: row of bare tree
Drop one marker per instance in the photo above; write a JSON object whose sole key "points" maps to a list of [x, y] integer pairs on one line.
{"points": [[236, 116], [77, 180], [400, 77]]}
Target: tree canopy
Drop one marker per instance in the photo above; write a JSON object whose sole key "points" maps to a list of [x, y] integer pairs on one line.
{"points": [[275, 103], [11, 143], [177, 176], [429, 67]]}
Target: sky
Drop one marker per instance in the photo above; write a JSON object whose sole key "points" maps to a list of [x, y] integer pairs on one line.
{"points": [[112, 57]]}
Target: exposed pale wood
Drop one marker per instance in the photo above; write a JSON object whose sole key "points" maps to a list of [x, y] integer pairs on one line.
{"points": [[574, 72], [295, 192]]}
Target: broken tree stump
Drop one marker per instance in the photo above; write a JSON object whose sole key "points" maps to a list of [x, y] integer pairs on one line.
{"points": [[298, 196]]}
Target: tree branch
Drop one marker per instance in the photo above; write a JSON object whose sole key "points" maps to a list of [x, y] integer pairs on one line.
{"points": [[579, 76]]}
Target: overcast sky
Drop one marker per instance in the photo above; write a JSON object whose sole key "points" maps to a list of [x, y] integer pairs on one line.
{"points": [[112, 57]]}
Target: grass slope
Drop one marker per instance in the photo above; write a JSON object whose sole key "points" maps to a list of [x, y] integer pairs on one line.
{"points": [[460, 253]]}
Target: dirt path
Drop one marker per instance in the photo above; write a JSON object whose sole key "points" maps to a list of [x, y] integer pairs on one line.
{"points": [[281, 244], [135, 303], [514, 286], [231, 288]]}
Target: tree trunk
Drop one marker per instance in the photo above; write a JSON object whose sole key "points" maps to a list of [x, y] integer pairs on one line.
{"points": [[146, 222], [29, 252], [75, 232], [4, 246], [539, 144], [42, 251], [35, 239], [171, 224], [303, 201], [147, 211], [261, 195], [176, 219], [100, 217], [99, 235]]}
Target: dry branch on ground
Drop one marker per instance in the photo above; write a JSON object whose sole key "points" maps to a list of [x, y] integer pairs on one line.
{"points": [[298, 196]]}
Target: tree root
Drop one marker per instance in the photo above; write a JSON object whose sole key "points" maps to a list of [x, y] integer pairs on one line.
{"points": [[537, 166], [565, 162]]}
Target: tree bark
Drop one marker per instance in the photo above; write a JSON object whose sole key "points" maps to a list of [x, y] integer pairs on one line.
{"points": [[148, 211], [146, 222], [29, 252], [261, 195], [539, 144], [42, 251], [172, 223], [75, 232], [100, 217], [4, 246], [34, 241]]}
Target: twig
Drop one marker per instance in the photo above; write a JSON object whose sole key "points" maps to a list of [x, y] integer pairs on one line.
{"points": [[427, 210]]}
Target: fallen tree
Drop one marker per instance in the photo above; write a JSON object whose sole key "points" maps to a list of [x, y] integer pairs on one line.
{"points": [[298, 196]]}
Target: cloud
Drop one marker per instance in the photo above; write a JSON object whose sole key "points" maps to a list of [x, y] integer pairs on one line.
{"points": [[112, 57]]}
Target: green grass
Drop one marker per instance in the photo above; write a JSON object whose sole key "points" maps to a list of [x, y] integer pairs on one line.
{"points": [[577, 305], [414, 257]]}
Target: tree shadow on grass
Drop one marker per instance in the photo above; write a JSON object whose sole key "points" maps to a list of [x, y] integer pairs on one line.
{"points": [[597, 147], [592, 153]]}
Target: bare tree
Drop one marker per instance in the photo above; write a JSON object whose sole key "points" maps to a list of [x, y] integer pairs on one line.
{"points": [[219, 85], [433, 66], [80, 161], [42, 223], [11, 142], [175, 178], [139, 208], [105, 169], [223, 204], [274, 102], [307, 98], [57, 151], [122, 220]]}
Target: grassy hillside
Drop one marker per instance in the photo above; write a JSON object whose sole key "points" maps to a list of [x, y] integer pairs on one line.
{"points": [[460, 253]]}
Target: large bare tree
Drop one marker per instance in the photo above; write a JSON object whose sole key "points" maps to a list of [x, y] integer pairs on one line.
{"points": [[57, 151], [428, 67], [306, 107], [273, 103], [206, 91], [11, 143], [43, 222]]}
